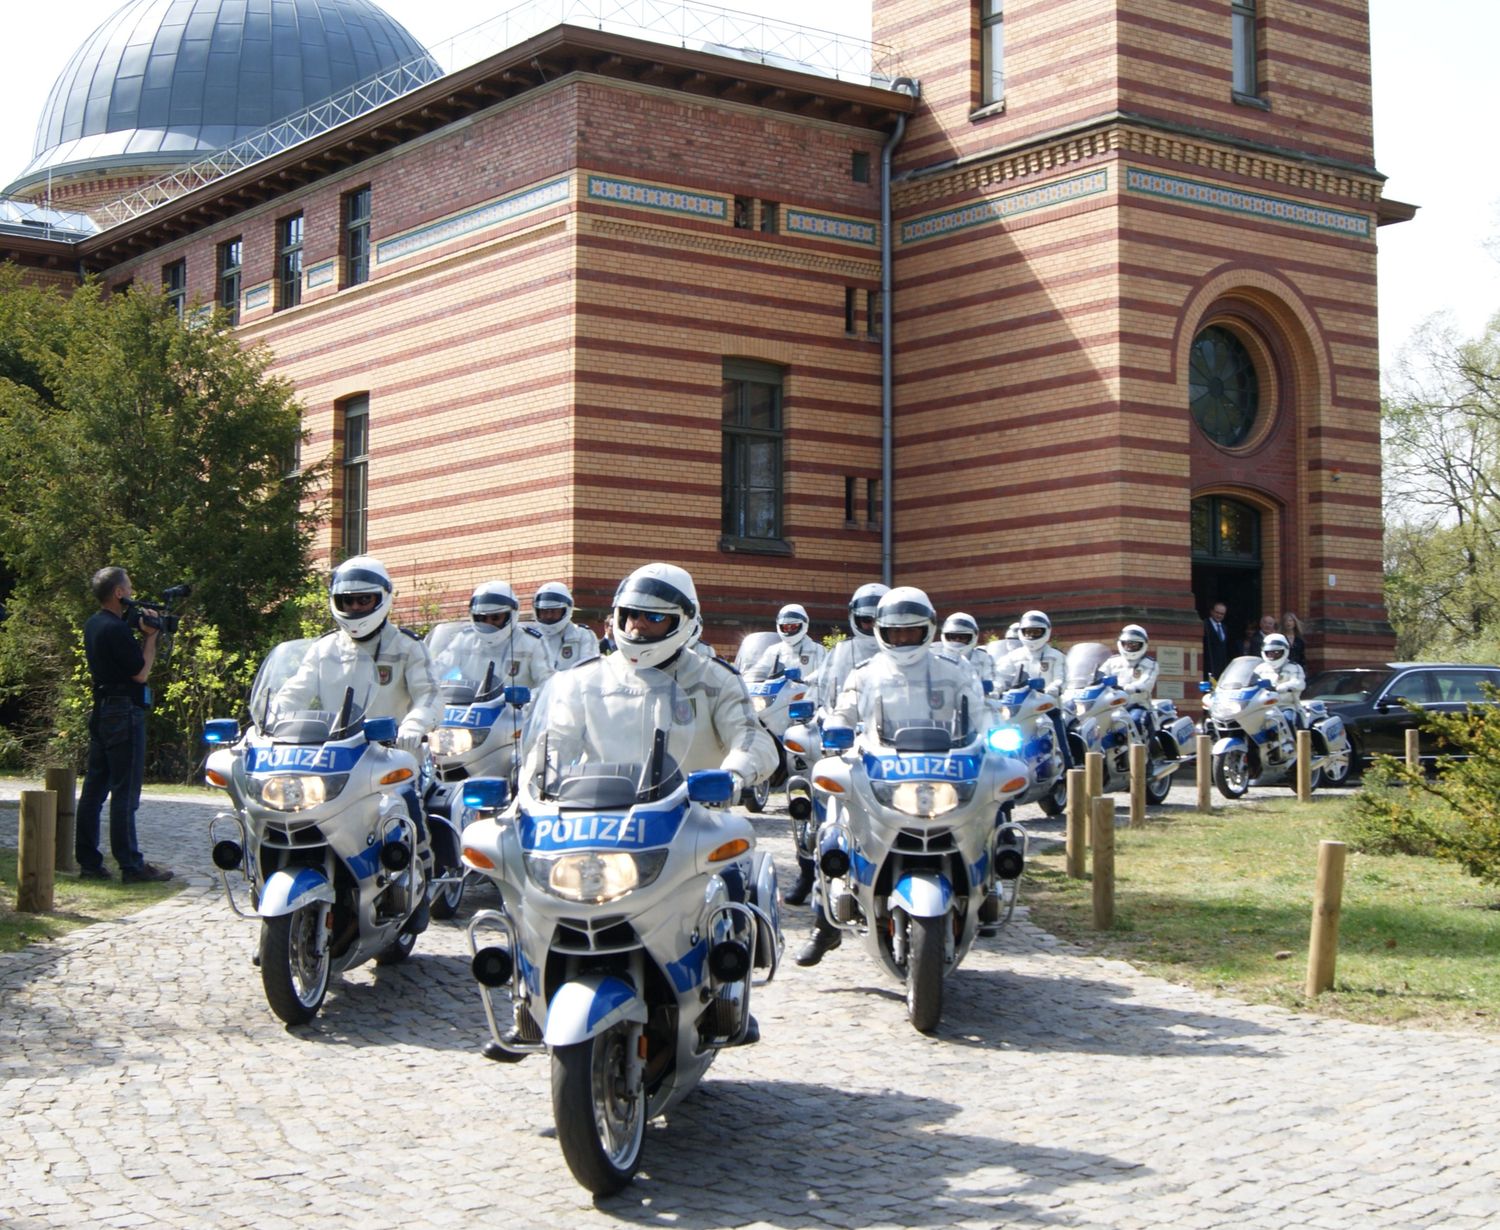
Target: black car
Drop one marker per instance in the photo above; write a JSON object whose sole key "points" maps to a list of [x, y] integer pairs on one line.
{"points": [[1369, 698]]}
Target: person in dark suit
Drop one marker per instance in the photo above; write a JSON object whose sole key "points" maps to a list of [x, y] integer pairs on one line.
{"points": [[1217, 648]]}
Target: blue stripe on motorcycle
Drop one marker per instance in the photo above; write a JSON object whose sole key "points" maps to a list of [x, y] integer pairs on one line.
{"points": [[315, 758], [861, 868], [367, 862], [688, 972], [921, 768], [612, 993], [637, 830]]}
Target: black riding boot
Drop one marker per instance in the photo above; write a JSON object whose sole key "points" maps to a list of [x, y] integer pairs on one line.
{"points": [[803, 887], [824, 939]]}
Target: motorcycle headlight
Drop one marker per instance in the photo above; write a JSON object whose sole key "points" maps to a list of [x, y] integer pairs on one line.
{"points": [[924, 798], [594, 876], [455, 740], [297, 792], [760, 702], [1005, 739]]}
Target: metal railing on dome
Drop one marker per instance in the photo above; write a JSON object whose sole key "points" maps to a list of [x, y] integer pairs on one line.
{"points": [[28, 218], [700, 27]]}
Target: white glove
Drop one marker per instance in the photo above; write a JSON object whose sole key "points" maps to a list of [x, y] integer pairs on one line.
{"points": [[738, 785], [410, 741]]}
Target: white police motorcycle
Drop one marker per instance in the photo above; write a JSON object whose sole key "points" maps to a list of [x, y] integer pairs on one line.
{"points": [[913, 845], [321, 833], [1255, 740], [773, 701], [636, 913], [480, 733], [1027, 713]]}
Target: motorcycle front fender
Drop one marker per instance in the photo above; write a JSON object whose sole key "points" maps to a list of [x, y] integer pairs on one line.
{"points": [[923, 896], [587, 1006], [286, 892], [1229, 741]]}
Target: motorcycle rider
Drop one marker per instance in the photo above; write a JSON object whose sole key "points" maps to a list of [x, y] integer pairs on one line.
{"points": [[1036, 659], [796, 648], [567, 644], [904, 630], [520, 651], [1135, 674], [359, 597], [961, 638], [1287, 678]]}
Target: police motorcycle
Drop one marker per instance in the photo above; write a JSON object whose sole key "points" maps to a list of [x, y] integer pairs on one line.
{"points": [[773, 700], [913, 845], [636, 913], [1096, 710], [480, 733], [320, 833], [1027, 732], [1255, 743]]}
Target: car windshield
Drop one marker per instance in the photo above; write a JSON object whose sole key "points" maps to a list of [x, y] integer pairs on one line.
{"points": [[1351, 686]]}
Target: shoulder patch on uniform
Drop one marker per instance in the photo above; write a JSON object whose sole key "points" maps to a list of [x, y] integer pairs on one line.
{"points": [[530, 631]]}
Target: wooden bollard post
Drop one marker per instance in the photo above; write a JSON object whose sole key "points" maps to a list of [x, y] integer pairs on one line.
{"points": [[1093, 780], [1205, 766], [1137, 785], [1104, 864], [38, 835], [1413, 749], [1304, 766], [1328, 896], [62, 783], [1078, 802]]}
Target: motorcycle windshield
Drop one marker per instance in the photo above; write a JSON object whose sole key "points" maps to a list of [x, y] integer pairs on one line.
{"points": [[751, 648], [926, 713], [1239, 674], [629, 732], [311, 691], [1084, 661], [471, 661]]}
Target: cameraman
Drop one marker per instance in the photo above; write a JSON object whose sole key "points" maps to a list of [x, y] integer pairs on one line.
{"points": [[119, 665]]}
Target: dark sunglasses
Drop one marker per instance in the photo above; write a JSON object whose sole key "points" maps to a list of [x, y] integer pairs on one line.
{"points": [[1033, 634], [865, 623], [960, 637], [356, 602], [654, 618], [499, 618]]}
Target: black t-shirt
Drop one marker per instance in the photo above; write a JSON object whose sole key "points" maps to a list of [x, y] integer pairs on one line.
{"points": [[114, 656]]}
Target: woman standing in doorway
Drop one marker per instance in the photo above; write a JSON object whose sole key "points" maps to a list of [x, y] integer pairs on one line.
{"points": [[1291, 628]]}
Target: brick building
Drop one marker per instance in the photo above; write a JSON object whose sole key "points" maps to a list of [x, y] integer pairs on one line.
{"points": [[594, 299]]}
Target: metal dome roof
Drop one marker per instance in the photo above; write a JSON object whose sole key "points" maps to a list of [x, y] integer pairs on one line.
{"points": [[169, 80]]}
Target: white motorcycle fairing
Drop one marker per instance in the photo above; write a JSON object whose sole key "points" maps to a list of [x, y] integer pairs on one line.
{"points": [[589, 1005], [923, 896], [286, 892]]}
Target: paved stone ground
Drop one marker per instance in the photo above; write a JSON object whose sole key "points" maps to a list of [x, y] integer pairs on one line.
{"points": [[144, 1082]]}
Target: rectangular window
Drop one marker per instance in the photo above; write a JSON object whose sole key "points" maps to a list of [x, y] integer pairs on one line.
{"points": [[851, 310], [357, 236], [174, 286], [752, 424], [743, 205], [991, 51], [769, 219], [356, 415], [859, 167], [872, 503], [289, 262], [1242, 40], [231, 255], [851, 484], [874, 302]]}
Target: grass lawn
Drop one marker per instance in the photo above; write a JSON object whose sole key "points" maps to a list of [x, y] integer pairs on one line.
{"points": [[76, 903], [1224, 902]]}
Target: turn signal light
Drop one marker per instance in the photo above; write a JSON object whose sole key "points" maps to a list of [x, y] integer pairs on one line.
{"points": [[475, 859], [730, 849], [394, 776], [216, 778], [792, 746], [1015, 784], [828, 784]]}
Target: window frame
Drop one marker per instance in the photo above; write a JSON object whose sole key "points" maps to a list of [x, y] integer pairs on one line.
{"points": [[174, 285], [354, 493], [289, 260], [227, 275], [1244, 45], [991, 76], [735, 457], [355, 235]]}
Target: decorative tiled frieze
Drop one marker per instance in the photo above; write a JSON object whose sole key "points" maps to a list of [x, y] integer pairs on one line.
{"points": [[652, 196], [997, 209], [1234, 200], [257, 297], [319, 275], [829, 226], [493, 213]]}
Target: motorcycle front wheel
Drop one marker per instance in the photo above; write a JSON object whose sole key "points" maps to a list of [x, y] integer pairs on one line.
{"points": [[1232, 773], [446, 901], [1055, 801], [600, 1123], [925, 950], [1157, 789], [293, 970]]}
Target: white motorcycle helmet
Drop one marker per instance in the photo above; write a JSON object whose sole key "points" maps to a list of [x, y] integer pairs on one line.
{"points": [[961, 631], [1035, 630], [1275, 649], [656, 589], [349, 592], [862, 606], [904, 607], [791, 624], [1132, 643], [552, 596], [491, 599], [1013, 633]]}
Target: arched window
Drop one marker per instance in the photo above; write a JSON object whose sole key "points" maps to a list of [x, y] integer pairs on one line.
{"points": [[1225, 531], [1223, 388]]}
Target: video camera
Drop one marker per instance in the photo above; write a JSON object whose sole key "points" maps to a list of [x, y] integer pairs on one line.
{"points": [[157, 612]]}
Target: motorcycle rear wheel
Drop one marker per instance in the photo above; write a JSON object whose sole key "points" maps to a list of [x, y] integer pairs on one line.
{"points": [[1232, 773], [600, 1127], [925, 950], [293, 973], [446, 901], [1055, 801], [1157, 790], [754, 798]]}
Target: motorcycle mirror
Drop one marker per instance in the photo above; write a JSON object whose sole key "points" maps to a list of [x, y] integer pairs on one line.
{"points": [[518, 696], [988, 685], [221, 730], [1036, 684], [486, 793], [380, 730], [794, 673], [838, 739], [710, 787], [1205, 687], [801, 710], [1109, 681]]}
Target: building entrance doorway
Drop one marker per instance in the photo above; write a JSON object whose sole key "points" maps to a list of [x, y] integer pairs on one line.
{"points": [[1226, 561]]}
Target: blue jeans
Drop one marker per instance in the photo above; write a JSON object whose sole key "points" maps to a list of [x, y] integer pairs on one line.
{"points": [[116, 767]]}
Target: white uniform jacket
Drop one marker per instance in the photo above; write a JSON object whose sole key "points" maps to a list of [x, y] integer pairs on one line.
{"points": [[1136, 679], [597, 714], [806, 655], [1019, 665], [979, 662], [838, 663], [944, 680], [1288, 679], [405, 683], [566, 647]]}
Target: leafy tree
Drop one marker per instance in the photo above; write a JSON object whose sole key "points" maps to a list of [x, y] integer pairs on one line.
{"points": [[130, 438]]}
